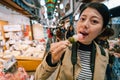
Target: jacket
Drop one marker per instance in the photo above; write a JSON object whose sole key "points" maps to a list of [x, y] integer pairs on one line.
{"points": [[65, 71]]}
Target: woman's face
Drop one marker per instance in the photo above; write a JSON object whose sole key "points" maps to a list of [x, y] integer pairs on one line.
{"points": [[89, 26]]}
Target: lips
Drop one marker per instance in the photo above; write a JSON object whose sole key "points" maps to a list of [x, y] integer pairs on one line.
{"points": [[84, 34]]}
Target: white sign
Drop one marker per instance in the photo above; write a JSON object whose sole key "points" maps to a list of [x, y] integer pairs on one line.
{"points": [[8, 28]]}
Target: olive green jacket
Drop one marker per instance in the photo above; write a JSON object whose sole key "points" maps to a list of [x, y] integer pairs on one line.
{"points": [[65, 71]]}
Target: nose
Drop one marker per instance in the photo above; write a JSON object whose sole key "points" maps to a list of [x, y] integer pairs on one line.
{"points": [[85, 24]]}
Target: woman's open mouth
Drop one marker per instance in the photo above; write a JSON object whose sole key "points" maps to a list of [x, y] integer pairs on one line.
{"points": [[84, 34]]}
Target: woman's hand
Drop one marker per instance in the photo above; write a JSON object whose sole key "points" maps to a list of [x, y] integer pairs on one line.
{"points": [[57, 49]]}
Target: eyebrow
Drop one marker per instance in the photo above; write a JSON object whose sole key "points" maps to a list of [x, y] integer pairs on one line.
{"points": [[96, 17], [92, 16]]}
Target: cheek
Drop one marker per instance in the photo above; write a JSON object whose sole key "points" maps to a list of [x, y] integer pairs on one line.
{"points": [[97, 31]]}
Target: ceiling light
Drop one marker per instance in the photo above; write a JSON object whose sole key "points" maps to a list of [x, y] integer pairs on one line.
{"points": [[58, 1], [61, 6], [42, 2], [56, 6], [56, 14]]}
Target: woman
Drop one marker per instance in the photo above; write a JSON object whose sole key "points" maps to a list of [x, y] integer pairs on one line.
{"points": [[58, 35], [91, 62], [70, 32]]}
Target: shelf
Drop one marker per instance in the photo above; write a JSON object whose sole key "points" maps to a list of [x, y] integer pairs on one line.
{"points": [[27, 58], [29, 65]]}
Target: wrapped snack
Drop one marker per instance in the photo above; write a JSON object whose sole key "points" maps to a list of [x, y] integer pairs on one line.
{"points": [[75, 38]]}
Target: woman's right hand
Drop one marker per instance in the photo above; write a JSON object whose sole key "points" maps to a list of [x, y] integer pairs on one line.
{"points": [[57, 49]]}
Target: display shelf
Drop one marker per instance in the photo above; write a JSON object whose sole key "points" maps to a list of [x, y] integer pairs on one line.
{"points": [[28, 58], [29, 63]]}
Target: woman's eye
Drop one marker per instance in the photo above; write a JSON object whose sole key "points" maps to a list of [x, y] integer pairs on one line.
{"points": [[94, 21], [82, 19]]}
